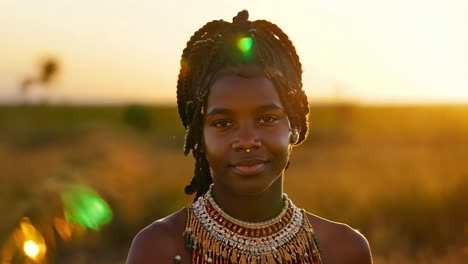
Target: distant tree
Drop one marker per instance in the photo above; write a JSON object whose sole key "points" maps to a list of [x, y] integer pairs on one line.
{"points": [[49, 68], [138, 116]]}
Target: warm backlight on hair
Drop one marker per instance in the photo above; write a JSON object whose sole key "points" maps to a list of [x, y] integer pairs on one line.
{"points": [[31, 249], [245, 45]]}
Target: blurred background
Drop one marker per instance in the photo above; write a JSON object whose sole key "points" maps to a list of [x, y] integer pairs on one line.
{"points": [[91, 144]]}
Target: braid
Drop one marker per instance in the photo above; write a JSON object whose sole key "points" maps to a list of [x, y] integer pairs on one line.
{"points": [[241, 17], [183, 82], [286, 42], [212, 48], [296, 107], [193, 107], [201, 180]]}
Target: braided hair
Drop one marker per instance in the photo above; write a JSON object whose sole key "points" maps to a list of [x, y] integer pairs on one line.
{"points": [[214, 47]]}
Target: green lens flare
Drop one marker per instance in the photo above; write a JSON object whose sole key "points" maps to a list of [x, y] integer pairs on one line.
{"points": [[245, 45], [83, 206]]}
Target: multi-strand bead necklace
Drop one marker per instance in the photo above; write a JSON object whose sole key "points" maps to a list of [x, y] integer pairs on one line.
{"points": [[215, 237]]}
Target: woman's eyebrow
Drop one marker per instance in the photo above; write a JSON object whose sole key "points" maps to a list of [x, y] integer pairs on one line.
{"points": [[227, 111]]}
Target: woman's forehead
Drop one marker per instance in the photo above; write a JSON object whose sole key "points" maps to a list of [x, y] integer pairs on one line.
{"points": [[239, 92]]}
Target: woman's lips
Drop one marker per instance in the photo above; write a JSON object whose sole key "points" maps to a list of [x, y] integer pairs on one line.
{"points": [[249, 169]]}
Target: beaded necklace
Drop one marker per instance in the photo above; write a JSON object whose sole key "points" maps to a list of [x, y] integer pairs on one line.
{"points": [[215, 237]]}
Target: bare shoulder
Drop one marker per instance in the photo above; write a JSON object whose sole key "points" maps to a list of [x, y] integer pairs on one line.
{"points": [[160, 241], [339, 242]]}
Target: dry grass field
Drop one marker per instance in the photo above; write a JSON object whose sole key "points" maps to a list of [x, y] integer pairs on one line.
{"points": [[397, 174]]}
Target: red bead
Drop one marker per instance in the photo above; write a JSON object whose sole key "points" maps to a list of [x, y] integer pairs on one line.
{"points": [[275, 229]]}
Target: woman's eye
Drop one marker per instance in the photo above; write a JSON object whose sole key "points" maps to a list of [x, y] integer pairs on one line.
{"points": [[222, 123], [267, 119]]}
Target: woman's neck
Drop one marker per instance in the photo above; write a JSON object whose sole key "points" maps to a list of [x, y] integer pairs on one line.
{"points": [[251, 208]]}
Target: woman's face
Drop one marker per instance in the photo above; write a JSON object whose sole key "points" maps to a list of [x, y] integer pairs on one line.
{"points": [[245, 114]]}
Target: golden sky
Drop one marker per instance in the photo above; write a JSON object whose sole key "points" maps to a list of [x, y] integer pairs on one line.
{"points": [[372, 51]]}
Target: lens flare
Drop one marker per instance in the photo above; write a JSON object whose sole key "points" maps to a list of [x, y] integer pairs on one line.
{"points": [[31, 249], [245, 46], [31, 240], [63, 228], [85, 207]]}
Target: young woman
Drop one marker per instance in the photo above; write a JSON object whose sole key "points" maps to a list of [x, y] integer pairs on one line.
{"points": [[241, 101]]}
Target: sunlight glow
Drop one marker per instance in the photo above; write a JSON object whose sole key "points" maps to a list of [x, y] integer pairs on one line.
{"points": [[31, 249], [383, 51], [32, 242]]}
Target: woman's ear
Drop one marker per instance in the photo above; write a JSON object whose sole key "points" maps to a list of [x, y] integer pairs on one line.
{"points": [[294, 137]]}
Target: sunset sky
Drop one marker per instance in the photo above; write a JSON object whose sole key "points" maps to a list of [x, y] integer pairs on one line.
{"points": [[370, 51]]}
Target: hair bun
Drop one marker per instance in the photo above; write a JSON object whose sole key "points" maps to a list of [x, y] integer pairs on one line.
{"points": [[241, 17]]}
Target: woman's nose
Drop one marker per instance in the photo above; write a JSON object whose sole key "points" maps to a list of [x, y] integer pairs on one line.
{"points": [[246, 139]]}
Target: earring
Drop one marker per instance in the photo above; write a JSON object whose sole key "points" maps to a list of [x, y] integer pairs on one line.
{"points": [[294, 136]]}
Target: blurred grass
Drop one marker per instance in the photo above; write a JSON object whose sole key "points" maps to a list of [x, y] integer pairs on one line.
{"points": [[397, 174]]}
